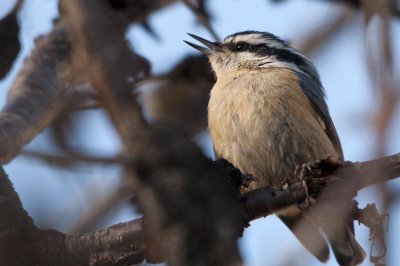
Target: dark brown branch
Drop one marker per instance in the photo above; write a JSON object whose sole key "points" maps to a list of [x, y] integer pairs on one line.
{"points": [[352, 176], [36, 95], [257, 203], [120, 244], [267, 200]]}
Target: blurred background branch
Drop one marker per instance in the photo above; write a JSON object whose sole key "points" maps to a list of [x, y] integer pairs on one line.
{"points": [[36, 96]]}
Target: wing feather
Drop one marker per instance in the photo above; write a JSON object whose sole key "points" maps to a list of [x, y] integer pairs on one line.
{"points": [[315, 94]]}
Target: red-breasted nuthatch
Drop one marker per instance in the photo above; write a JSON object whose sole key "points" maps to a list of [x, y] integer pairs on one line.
{"points": [[267, 114]]}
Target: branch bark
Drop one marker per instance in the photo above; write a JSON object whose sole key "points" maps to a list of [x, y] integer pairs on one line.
{"points": [[124, 243], [268, 200], [22, 243], [351, 177], [35, 98]]}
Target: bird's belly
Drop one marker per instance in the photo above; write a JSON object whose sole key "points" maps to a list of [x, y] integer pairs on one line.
{"points": [[262, 150], [265, 140]]}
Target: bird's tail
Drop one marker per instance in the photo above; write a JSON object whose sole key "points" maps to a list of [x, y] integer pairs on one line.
{"points": [[344, 245]]}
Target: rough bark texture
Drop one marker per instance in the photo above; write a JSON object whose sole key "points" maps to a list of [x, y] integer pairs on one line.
{"points": [[22, 243]]}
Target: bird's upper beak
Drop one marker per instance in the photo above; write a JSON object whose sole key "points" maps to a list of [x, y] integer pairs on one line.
{"points": [[210, 46]]}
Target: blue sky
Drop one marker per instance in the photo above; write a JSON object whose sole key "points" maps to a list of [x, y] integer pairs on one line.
{"points": [[60, 196]]}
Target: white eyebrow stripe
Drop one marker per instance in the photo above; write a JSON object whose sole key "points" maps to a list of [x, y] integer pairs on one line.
{"points": [[228, 39], [255, 39]]}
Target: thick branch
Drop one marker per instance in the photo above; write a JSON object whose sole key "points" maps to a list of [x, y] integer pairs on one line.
{"points": [[350, 176], [255, 204], [22, 243], [268, 200], [35, 98]]}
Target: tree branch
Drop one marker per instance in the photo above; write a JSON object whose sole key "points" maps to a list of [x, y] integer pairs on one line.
{"points": [[268, 200], [117, 245], [255, 204], [35, 98], [352, 176]]}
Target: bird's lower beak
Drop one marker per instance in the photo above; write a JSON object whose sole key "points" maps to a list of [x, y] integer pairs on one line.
{"points": [[210, 46]]}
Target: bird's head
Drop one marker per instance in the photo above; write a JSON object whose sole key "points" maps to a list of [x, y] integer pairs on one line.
{"points": [[253, 50]]}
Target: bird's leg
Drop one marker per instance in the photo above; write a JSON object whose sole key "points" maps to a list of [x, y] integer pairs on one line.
{"points": [[317, 169], [307, 171]]}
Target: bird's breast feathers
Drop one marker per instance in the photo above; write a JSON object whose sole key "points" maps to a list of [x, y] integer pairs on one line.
{"points": [[264, 124]]}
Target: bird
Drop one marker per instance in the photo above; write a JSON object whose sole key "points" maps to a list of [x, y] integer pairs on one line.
{"points": [[267, 114]]}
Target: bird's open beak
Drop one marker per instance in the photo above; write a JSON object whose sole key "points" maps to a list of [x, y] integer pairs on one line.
{"points": [[210, 46]]}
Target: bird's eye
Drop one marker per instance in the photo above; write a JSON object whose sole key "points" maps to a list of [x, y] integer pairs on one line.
{"points": [[241, 46]]}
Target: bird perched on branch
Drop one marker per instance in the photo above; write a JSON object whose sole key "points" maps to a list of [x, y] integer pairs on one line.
{"points": [[267, 114]]}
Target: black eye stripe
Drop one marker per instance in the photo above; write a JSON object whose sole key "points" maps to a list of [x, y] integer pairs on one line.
{"points": [[261, 49]]}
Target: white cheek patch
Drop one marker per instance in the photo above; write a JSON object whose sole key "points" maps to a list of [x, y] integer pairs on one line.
{"points": [[273, 62], [247, 56]]}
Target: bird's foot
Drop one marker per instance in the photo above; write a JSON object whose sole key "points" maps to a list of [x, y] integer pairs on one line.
{"points": [[317, 169], [310, 171]]}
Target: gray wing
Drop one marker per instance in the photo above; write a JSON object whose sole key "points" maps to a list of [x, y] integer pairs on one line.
{"points": [[344, 245], [315, 94]]}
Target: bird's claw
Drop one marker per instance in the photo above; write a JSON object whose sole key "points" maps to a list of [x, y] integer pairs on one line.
{"points": [[307, 171], [316, 169]]}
